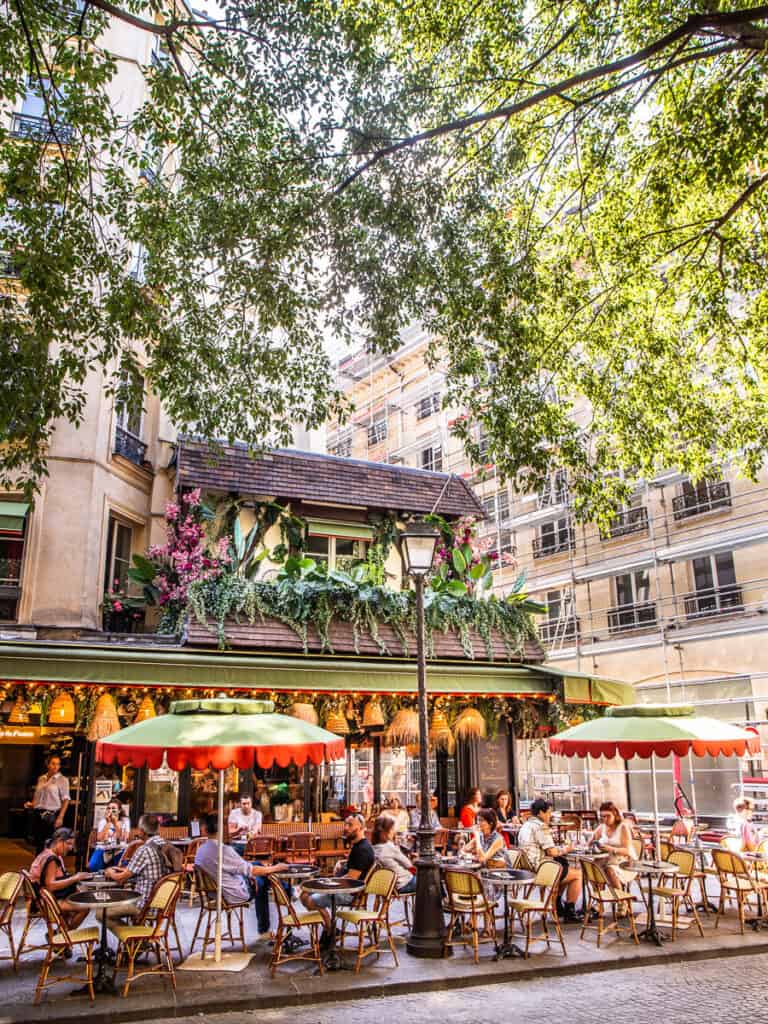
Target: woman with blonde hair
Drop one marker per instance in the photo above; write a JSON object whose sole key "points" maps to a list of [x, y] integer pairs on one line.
{"points": [[398, 813]]}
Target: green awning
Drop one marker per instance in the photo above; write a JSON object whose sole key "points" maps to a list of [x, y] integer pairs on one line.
{"points": [[159, 667], [351, 531], [580, 688], [12, 516]]}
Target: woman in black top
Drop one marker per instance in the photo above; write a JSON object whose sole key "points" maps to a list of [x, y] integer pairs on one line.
{"points": [[49, 872]]}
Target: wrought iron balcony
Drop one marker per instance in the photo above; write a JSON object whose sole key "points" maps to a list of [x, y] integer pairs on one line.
{"points": [[557, 631], [707, 497], [129, 446], [713, 601], [632, 520], [553, 544], [25, 126], [625, 617]]}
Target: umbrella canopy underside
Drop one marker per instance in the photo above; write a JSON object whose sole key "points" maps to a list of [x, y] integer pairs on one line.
{"points": [[641, 736], [210, 740]]}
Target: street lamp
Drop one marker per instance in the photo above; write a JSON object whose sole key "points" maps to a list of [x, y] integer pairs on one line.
{"points": [[418, 542]]}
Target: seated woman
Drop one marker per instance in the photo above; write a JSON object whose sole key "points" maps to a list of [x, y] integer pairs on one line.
{"points": [[614, 835], [505, 815], [471, 807], [389, 854], [748, 834], [398, 814], [486, 844], [48, 872], [114, 827]]}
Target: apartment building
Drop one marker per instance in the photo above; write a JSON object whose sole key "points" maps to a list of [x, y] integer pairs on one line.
{"points": [[673, 598], [104, 497]]}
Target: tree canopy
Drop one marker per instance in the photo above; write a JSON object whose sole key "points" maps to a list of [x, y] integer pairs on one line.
{"points": [[570, 195]]}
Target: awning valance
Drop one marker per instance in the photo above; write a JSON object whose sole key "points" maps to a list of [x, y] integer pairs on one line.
{"points": [[12, 516], [580, 688]]}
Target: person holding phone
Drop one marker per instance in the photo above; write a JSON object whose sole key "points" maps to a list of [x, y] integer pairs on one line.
{"points": [[113, 829], [614, 836]]}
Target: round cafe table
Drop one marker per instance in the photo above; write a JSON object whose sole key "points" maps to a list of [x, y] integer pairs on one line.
{"points": [[507, 878], [293, 873], [333, 887], [99, 901], [653, 869]]}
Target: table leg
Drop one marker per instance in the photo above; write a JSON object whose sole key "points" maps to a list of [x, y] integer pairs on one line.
{"points": [[332, 961], [706, 904], [759, 921], [507, 950], [651, 933]]}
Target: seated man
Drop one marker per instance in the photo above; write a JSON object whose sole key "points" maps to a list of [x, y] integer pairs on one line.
{"points": [[239, 879], [243, 822], [434, 820], [535, 839], [357, 865], [145, 868]]}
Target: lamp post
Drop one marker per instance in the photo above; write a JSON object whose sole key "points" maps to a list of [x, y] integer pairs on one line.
{"points": [[419, 541]]}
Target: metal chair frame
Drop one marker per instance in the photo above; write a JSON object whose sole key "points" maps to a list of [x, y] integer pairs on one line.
{"points": [[380, 883], [547, 880], [10, 890], [287, 919], [466, 899], [736, 882], [61, 939], [599, 892], [675, 894], [150, 934], [206, 888]]}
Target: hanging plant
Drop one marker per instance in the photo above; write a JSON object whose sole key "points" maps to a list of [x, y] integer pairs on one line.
{"points": [[403, 729], [470, 725]]}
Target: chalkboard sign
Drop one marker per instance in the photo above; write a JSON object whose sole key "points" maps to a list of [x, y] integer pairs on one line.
{"points": [[493, 762]]}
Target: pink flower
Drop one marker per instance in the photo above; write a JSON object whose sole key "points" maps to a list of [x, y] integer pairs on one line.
{"points": [[117, 606]]}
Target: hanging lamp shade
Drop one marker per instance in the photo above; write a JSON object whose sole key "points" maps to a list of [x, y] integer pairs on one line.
{"points": [[373, 716], [105, 720], [470, 725], [62, 710], [440, 735], [403, 729], [306, 712], [19, 714], [146, 710], [336, 722]]}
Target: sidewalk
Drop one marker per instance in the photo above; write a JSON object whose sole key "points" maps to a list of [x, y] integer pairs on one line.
{"points": [[296, 985]]}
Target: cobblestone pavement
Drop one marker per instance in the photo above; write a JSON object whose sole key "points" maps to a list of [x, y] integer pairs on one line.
{"points": [[701, 992]]}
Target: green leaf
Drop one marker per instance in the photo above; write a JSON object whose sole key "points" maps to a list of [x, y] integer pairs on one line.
{"points": [[459, 561], [456, 588], [477, 571]]}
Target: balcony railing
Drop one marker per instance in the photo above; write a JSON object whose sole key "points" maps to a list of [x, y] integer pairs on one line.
{"points": [[625, 617], [713, 601], [632, 520], [707, 498], [25, 126], [553, 544], [129, 446], [555, 631]]}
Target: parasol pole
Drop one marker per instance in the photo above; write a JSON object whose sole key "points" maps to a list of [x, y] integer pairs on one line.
{"points": [[219, 868], [693, 789], [657, 836]]}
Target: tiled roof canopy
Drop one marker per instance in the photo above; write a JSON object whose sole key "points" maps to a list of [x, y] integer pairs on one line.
{"points": [[323, 478]]}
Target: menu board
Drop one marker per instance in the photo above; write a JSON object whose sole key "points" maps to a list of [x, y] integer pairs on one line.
{"points": [[493, 760]]}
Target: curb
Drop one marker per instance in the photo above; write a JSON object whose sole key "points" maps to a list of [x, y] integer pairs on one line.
{"points": [[229, 1001]]}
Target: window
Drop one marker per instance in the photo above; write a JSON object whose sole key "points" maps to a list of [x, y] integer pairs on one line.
{"points": [[634, 608], [482, 446], [631, 518], [13, 524], [119, 546], [496, 508], [553, 538], [129, 420], [428, 405], [555, 490], [377, 431], [504, 544], [705, 496], [34, 119], [138, 269], [561, 623], [336, 552], [342, 449], [716, 588], [432, 458]]}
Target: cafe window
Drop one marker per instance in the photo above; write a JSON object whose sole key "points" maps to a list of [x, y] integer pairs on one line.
{"points": [[118, 562], [338, 548], [13, 525]]}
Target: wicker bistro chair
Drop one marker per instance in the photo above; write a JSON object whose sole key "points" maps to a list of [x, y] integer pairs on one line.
{"points": [[380, 884], [34, 914], [517, 859], [547, 881], [62, 940], [599, 894], [467, 903], [10, 890], [288, 918], [149, 934], [737, 882], [300, 846], [189, 879], [679, 888], [260, 848], [206, 887]]}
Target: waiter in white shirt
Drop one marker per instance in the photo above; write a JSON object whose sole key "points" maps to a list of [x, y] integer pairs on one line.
{"points": [[50, 802], [244, 821]]}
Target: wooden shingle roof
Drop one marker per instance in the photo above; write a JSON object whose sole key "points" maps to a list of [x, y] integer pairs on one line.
{"points": [[289, 474]]}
